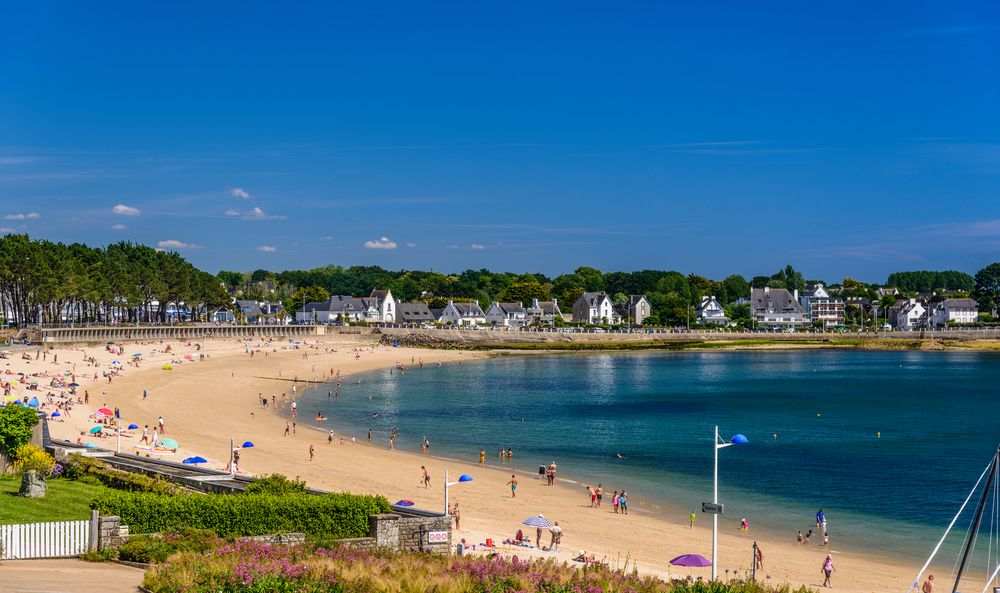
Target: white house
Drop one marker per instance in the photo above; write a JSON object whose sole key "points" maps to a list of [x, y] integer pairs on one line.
{"points": [[338, 308], [955, 311], [385, 305], [594, 307], [463, 314], [776, 308], [911, 315], [543, 311], [507, 314], [710, 311]]}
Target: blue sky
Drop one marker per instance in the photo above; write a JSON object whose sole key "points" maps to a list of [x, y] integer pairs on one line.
{"points": [[713, 137]]}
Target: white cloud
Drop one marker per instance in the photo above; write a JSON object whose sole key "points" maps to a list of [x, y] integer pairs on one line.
{"points": [[477, 246], [258, 214], [411, 244], [28, 216], [6, 229], [232, 212], [118, 227], [125, 210], [327, 238], [174, 244], [18, 160], [381, 243], [267, 249], [239, 192]]}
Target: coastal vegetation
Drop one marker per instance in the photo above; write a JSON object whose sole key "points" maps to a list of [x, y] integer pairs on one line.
{"points": [[252, 567], [339, 515]]}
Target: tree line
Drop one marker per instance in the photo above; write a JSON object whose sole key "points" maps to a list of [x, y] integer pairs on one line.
{"points": [[46, 282]]}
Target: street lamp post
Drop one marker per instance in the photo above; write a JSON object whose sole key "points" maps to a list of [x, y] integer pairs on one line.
{"points": [[462, 478], [717, 443]]}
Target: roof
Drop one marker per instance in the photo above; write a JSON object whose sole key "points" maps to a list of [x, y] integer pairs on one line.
{"points": [[379, 294], [468, 309], [339, 304], [593, 298], [959, 304], [776, 300], [414, 312], [511, 308], [546, 307]]}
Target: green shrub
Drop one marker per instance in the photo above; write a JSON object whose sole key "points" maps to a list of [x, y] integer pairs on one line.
{"points": [[334, 515], [275, 484], [95, 471], [155, 549], [102, 555]]}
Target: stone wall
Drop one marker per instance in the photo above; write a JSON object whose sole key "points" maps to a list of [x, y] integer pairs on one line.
{"points": [[109, 532], [410, 533]]}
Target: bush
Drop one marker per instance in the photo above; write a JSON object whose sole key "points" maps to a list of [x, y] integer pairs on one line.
{"points": [[275, 484], [155, 549], [334, 515], [32, 457], [95, 471], [102, 555]]}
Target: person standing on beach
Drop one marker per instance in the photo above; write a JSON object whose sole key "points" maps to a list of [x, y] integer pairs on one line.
{"points": [[329, 438], [614, 502], [623, 502], [758, 558], [691, 518], [928, 585], [513, 486], [426, 478], [541, 471], [482, 456], [163, 429], [593, 496], [458, 516], [827, 570], [600, 494], [556, 532], [145, 434], [369, 436], [538, 537], [312, 452], [820, 520]]}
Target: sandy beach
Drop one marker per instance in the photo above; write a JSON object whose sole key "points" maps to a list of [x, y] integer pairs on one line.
{"points": [[205, 403]]}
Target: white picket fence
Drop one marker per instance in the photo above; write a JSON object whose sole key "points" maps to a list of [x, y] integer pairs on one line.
{"points": [[44, 540]]}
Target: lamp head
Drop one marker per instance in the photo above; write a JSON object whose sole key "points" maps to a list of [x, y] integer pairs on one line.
{"points": [[739, 439], [465, 478]]}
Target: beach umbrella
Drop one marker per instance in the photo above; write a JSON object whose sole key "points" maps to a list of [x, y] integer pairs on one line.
{"points": [[105, 412], [693, 560], [74, 384], [404, 503], [537, 521], [247, 444], [168, 367], [96, 429], [116, 362], [34, 403], [137, 355], [133, 426], [169, 443], [91, 445], [195, 460], [55, 415]]}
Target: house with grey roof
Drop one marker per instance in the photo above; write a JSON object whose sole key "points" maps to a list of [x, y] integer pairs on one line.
{"points": [[384, 304], [543, 311], [960, 310], [637, 309], [463, 314], [417, 313], [338, 308], [776, 308], [821, 308], [507, 314], [594, 308], [710, 312], [909, 315]]}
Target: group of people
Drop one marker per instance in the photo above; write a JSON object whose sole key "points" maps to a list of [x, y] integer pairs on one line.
{"points": [[548, 473]]}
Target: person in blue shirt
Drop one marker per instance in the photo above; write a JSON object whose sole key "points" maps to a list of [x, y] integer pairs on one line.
{"points": [[820, 521]]}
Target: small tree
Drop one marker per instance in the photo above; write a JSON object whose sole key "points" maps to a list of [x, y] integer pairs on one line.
{"points": [[16, 424]]}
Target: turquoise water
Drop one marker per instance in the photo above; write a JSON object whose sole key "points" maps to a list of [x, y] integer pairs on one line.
{"points": [[812, 417]]}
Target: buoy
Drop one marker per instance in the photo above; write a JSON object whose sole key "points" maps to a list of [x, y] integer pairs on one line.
{"points": [[817, 414], [878, 434]]}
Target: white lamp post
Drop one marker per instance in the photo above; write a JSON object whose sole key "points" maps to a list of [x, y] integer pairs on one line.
{"points": [[718, 443], [447, 484]]}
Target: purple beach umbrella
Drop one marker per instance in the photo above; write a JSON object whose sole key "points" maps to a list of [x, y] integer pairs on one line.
{"points": [[694, 560], [403, 503]]}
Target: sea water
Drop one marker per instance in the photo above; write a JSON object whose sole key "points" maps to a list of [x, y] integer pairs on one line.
{"points": [[887, 443]]}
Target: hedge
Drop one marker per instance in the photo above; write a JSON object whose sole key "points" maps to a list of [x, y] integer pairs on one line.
{"points": [[332, 515], [79, 466]]}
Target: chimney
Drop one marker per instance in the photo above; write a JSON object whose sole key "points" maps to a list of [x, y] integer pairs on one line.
{"points": [[796, 294], [554, 301], [450, 302], [475, 302], [534, 303], [767, 290]]}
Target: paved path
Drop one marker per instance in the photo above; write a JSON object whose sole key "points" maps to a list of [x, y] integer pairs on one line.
{"points": [[67, 576]]}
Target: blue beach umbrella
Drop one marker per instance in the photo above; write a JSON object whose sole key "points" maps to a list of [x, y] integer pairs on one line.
{"points": [[404, 503], [34, 403], [133, 426], [195, 460], [537, 521], [55, 415], [96, 429], [247, 444]]}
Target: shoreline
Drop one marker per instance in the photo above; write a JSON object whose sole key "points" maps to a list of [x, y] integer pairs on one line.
{"points": [[207, 403]]}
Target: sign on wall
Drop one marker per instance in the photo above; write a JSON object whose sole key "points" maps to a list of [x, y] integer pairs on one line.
{"points": [[437, 537]]}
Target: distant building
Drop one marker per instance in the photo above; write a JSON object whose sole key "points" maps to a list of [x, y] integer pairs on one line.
{"points": [[339, 308], [250, 310], [507, 314], [954, 311], [595, 308], [417, 312], [886, 291], [909, 315], [463, 313], [776, 308], [710, 312], [384, 304], [638, 308], [543, 311], [820, 307]]}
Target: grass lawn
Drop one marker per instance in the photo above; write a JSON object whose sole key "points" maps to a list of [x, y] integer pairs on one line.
{"points": [[65, 500]]}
